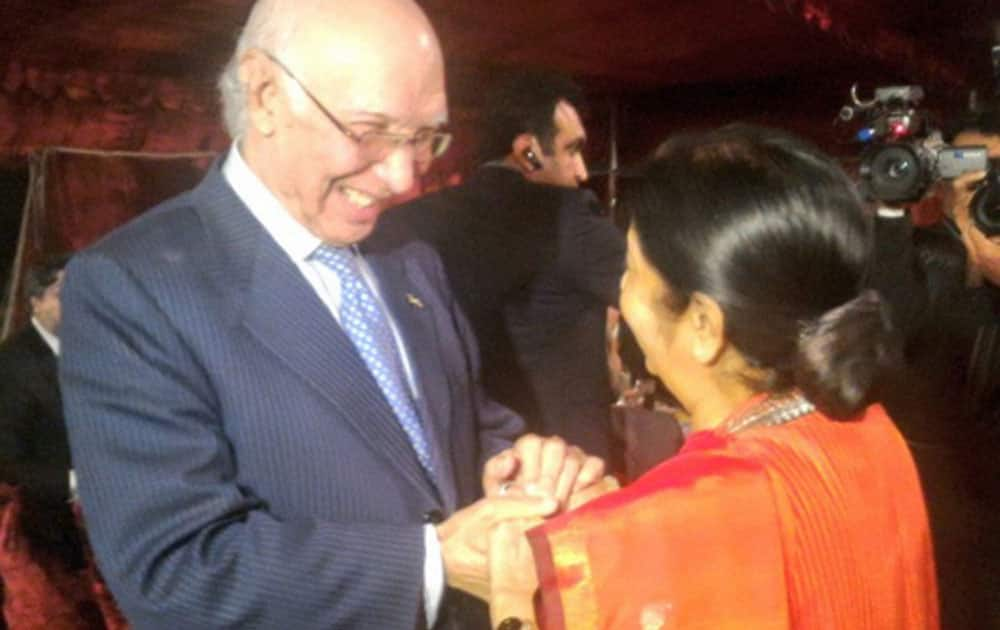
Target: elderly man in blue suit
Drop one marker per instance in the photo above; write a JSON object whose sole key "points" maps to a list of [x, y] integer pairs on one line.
{"points": [[273, 424]]}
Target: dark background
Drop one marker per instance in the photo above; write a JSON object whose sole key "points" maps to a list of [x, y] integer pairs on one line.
{"points": [[139, 76]]}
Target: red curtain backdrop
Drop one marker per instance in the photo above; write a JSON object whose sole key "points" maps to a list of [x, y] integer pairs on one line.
{"points": [[75, 197]]}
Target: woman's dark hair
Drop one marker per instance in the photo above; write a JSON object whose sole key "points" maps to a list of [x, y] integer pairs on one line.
{"points": [[773, 230]]}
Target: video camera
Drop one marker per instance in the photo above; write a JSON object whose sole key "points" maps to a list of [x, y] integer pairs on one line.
{"points": [[985, 204], [904, 155]]}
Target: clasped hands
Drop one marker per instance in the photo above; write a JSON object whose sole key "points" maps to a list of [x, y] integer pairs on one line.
{"points": [[535, 479]]}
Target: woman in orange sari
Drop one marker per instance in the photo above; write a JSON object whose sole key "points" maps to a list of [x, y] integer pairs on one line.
{"points": [[794, 503]]}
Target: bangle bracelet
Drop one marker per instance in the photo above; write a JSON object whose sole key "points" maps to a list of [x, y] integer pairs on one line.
{"points": [[515, 623]]}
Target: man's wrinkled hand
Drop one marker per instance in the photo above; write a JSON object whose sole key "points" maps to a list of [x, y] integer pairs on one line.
{"points": [[539, 466], [465, 537]]}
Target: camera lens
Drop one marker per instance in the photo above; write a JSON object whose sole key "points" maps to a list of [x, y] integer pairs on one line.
{"points": [[985, 205], [894, 173]]}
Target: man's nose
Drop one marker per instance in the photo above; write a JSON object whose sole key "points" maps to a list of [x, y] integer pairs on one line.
{"points": [[396, 169], [581, 169]]}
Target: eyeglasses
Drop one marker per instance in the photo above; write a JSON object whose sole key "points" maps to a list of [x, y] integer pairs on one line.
{"points": [[376, 144]]}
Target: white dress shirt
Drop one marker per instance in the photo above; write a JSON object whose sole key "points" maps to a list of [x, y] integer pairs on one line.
{"points": [[299, 243], [50, 340]]}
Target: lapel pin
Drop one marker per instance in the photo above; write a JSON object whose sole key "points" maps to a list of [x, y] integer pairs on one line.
{"points": [[414, 300]]}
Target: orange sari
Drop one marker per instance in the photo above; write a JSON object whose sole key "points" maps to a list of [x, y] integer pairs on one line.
{"points": [[811, 524]]}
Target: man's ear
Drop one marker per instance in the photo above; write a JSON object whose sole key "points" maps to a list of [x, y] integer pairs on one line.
{"points": [[708, 328], [524, 150], [260, 78]]}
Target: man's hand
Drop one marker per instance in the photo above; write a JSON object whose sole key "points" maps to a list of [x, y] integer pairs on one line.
{"points": [[542, 467], [963, 188], [465, 537]]}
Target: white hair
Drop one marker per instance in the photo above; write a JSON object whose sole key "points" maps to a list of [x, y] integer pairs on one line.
{"points": [[271, 27]]}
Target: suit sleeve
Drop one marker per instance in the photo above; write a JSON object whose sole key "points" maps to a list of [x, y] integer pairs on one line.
{"points": [[597, 248], [497, 425], [179, 542]]}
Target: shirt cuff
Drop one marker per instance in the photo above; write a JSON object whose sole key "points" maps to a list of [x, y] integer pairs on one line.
{"points": [[433, 575]]}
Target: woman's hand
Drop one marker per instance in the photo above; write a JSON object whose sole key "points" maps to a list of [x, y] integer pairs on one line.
{"points": [[604, 486], [513, 580], [465, 538]]}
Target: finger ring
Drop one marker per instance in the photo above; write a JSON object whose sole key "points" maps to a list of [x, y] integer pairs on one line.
{"points": [[504, 488]]}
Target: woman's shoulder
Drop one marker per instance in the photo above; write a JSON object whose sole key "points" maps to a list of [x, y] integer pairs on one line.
{"points": [[708, 458], [815, 437]]}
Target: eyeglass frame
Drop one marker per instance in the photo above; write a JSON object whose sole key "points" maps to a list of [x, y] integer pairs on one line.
{"points": [[443, 137]]}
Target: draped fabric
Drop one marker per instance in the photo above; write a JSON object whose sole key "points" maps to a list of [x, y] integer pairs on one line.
{"points": [[75, 197], [812, 524], [42, 592]]}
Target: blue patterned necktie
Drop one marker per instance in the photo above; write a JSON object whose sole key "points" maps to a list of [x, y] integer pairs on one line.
{"points": [[364, 322]]}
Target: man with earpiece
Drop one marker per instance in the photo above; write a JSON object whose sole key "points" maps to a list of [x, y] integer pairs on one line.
{"points": [[532, 260]]}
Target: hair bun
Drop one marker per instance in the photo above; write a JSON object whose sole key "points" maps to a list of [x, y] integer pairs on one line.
{"points": [[841, 353]]}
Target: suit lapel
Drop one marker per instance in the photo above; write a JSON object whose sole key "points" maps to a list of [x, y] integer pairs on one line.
{"points": [[47, 360], [45, 369], [406, 293], [282, 312]]}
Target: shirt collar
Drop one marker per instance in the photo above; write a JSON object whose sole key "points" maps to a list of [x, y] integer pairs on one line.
{"points": [[293, 237], [50, 340]]}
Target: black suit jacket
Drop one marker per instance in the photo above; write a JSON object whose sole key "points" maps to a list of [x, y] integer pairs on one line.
{"points": [[534, 267], [33, 445], [34, 453], [948, 407]]}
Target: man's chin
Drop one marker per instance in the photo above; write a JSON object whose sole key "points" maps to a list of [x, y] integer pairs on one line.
{"points": [[357, 215], [346, 234]]}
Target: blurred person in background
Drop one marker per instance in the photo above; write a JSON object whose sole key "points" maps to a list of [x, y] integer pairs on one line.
{"points": [[942, 283], [43, 559], [533, 261]]}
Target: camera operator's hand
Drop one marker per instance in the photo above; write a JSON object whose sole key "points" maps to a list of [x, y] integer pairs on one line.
{"points": [[962, 190], [983, 252]]}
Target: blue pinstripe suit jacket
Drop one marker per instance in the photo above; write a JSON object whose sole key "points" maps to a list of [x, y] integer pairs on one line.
{"points": [[238, 465]]}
